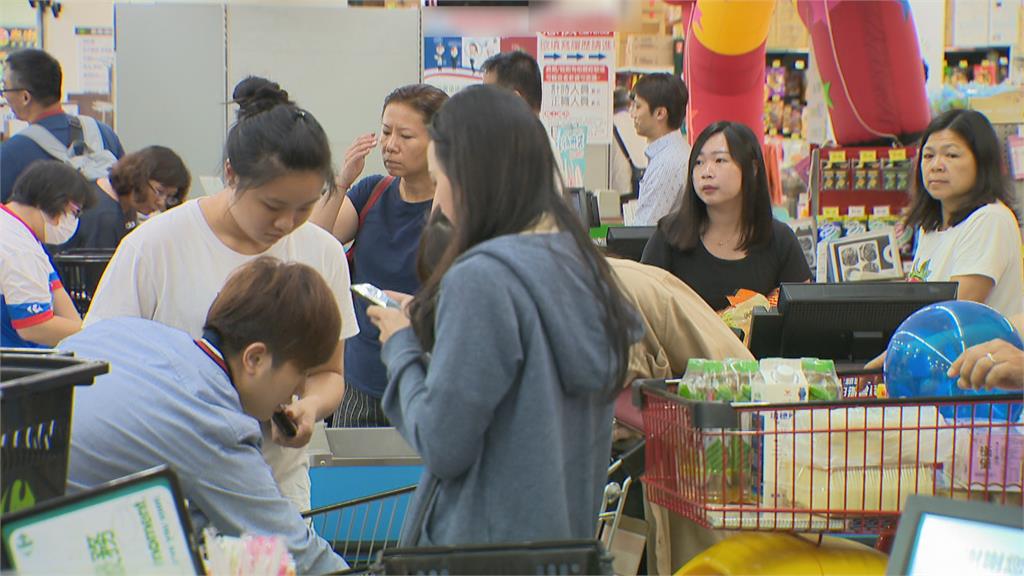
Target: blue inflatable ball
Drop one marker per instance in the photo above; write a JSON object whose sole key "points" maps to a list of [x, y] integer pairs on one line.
{"points": [[928, 342]]}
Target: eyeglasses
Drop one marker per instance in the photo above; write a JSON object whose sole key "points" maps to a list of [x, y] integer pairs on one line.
{"points": [[6, 90], [75, 209], [170, 198]]}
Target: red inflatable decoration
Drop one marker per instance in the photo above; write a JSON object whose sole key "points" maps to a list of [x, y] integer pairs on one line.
{"points": [[870, 64]]}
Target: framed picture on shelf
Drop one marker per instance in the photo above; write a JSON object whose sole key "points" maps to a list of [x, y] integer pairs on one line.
{"points": [[867, 256]]}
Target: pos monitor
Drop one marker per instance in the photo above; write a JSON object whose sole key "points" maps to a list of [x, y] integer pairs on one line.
{"points": [[849, 322], [628, 241], [944, 536]]}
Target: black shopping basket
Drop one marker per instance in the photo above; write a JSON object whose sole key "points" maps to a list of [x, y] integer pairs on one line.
{"points": [[555, 557], [36, 390], [80, 270]]}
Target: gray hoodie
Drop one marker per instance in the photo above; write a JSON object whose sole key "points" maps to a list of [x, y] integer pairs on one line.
{"points": [[513, 417]]}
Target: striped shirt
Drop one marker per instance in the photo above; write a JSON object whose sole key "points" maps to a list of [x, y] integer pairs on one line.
{"points": [[663, 182]]}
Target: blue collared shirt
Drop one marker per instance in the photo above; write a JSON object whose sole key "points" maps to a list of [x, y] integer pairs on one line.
{"points": [[165, 401], [663, 182]]}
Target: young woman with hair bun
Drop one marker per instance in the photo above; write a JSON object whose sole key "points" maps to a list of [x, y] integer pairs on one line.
{"points": [[277, 165]]}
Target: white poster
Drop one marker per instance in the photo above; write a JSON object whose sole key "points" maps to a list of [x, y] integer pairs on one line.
{"points": [[453, 62], [578, 73], [95, 59]]}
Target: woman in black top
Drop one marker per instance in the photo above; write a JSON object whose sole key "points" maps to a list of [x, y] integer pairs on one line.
{"points": [[144, 182], [722, 236]]}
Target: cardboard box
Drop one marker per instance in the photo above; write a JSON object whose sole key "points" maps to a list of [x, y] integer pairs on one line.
{"points": [[648, 51], [1004, 108]]}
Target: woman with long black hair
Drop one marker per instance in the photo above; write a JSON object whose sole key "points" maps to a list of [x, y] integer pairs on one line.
{"points": [[528, 336]]}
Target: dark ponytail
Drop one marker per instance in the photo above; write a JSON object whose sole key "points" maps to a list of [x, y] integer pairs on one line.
{"points": [[272, 137]]}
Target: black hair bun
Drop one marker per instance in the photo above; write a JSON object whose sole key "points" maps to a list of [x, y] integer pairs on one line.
{"points": [[255, 95]]}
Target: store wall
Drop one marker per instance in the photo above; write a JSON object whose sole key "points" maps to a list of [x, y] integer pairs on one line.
{"points": [[178, 61], [16, 13], [170, 81]]}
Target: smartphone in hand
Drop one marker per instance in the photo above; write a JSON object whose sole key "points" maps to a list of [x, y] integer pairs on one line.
{"points": [[375, 296], [285, 424]]}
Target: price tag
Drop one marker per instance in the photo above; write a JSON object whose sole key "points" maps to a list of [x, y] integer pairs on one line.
{"points": [[880, 210], [830, 211], [836, 156], [855, 211], [868, 156], [898, 154]]}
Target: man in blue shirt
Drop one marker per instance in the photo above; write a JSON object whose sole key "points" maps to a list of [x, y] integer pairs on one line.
{"points": [[197, 405], [32, 88], [658, 110]]}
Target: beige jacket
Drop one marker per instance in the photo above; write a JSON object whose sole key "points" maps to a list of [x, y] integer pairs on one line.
{"points": [[678, 324]]}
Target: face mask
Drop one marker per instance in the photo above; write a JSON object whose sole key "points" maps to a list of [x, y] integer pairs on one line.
{"points": [[63, 231]]}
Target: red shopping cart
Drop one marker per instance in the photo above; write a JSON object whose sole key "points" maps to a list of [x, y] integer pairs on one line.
{"points": [[825, 467]]}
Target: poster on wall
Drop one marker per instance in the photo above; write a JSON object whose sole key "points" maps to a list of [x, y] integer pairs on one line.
{"points": [[95, 48], [578, 73], [453, 62]]}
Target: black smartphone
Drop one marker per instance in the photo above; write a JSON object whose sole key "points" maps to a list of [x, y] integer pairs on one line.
{"points": [[285, 424]]}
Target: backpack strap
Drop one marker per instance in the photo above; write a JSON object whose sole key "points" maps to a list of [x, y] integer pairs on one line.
{"points": [[375, 195], [47, 141], [91, 133]]}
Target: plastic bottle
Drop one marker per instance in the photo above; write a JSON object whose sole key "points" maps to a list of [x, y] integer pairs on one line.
{"points": [[714, 379], [693, 380], [748, 378], [818, 388], [833, 385]]}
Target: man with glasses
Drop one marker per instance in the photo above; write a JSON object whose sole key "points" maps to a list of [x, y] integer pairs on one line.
{"points": [[32, 88]]}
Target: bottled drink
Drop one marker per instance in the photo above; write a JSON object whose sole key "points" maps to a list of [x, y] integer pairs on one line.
{"points": [[714, 379], [748, 377], [692, 380]]}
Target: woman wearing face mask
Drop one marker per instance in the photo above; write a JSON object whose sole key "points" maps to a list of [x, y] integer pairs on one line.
{"points": [[43, 207], [961, 208], [277, 165], [141, 183], [384, 216], [722, 237], [528, 342]]}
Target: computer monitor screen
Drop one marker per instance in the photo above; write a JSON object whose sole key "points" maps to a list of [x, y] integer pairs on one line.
{"points": [[134, 525], [628, 241], [584, 204], [846, 322], [943, 536]]}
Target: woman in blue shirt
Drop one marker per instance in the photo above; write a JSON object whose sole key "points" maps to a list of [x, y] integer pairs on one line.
{"points": [[383, 216]]}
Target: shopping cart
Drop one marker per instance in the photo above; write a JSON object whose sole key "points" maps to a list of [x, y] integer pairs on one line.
{"points": [[825, 467], [365, 530], [358, 529], [80, 270]]}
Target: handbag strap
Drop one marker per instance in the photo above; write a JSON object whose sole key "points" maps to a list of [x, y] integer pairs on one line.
{"points": [[375, 195]]}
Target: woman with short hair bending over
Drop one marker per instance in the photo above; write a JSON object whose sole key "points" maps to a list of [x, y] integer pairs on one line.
{"points": [[722, 237], [527, 342], [277, 165]]}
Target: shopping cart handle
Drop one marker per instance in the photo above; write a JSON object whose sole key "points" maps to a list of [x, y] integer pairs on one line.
{"points": [[637, 385]]}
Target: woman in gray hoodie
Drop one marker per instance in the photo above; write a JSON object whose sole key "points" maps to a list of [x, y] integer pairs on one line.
{"points": [[505, 376]]}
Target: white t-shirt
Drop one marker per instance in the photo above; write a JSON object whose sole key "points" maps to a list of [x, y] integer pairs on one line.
{"points": [[27, 280], [170, 270], [987, 243]]}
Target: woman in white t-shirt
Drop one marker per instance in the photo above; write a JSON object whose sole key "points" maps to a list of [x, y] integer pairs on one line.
{"points": [[961, 207], [278, 163]]}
